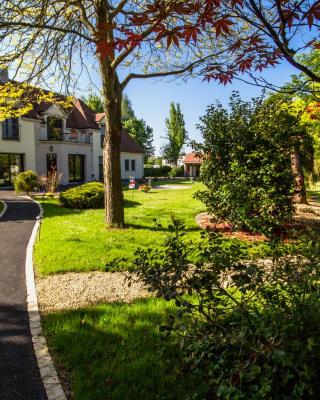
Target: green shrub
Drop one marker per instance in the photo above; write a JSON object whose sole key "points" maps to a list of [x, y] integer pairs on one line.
{"points": [[156, 172], [251, 329], [89, 195], [247, 164], [26, 181], [176, 171]]}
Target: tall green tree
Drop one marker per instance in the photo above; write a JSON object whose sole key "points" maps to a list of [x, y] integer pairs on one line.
{"points": [[176, 134], [126, 108], [95, 102]]}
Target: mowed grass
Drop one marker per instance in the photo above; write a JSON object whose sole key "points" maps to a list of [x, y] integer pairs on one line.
{"points": [[116, 352], [75, 240]]}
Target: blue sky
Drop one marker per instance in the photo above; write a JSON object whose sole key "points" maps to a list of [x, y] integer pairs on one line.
{"points": [[151, 100]]}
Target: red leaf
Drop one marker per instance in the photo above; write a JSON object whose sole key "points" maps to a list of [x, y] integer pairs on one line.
{"points": [[222, 26], [105, 49], [310, 20]]}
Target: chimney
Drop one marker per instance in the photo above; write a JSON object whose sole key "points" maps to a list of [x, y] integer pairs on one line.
{"points": [[4, 76]]}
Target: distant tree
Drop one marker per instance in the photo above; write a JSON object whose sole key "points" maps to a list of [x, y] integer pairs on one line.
{"points": [[95, 102], [126, 108], [142, 133], [176, 134], [157, 160]]}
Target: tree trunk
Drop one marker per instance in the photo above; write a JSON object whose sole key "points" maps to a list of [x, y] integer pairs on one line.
{"points": [[300, 195], [114, 209]]}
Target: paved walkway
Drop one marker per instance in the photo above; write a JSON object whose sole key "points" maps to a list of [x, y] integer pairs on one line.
{"points": [[19, 374], [172, 187]]}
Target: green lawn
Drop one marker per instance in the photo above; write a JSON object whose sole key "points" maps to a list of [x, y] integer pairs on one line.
{"points": [[116, 352], [74, 240]]}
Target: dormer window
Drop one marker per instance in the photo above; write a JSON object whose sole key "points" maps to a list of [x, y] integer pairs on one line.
{"points": [[55, 128], [10, 129]]}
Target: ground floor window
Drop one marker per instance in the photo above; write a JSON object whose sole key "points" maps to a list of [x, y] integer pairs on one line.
{"points": [[76, 164], [10, 166], [127, 165], [100, 168]]}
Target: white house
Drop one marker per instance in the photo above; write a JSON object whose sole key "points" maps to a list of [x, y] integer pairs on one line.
{"points": [[71, 142]]}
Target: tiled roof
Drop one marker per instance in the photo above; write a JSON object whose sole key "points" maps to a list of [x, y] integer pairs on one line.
{"points": [[82, 116], [129, 144], [192, 158]]}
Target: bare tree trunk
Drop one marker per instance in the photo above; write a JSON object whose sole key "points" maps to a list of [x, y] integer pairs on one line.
{"points": [[300, 195], [114, 209]]}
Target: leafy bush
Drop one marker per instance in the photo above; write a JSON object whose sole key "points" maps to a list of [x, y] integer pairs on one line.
{"points": [[26, 181], [247, 166], [156, 172], [89, 195], [176, 171], [250, 328]]}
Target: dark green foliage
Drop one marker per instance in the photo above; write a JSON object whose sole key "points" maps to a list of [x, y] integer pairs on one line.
{"points": [[137, 128], [156, 172], [252, 329], [89, 195], [176, 171], [143, 134], [246, 166], [95, 102], [26, 181]]}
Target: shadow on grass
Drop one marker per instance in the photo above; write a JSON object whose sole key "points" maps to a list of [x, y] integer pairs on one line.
{"points": [[116, 352], [156, 228], [53, 208]]}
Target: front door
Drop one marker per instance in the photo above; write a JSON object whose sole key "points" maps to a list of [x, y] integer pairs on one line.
{"points": [[51, 163]]}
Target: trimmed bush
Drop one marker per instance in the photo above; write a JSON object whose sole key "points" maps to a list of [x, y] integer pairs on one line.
{"points": [[89, 195], [156, 172], [26, 181], [176, 171]]}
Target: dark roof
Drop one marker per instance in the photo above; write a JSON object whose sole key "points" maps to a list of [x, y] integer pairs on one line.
{"points": [[129, 144], [82, 116]]}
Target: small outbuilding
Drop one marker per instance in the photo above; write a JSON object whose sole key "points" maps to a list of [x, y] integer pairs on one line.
{"points": [[192, 163]]}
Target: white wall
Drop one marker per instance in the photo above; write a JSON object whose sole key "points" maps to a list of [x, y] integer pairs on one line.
{"points": [[26, 144], [139, 172], [62, 150], [96, 152]]}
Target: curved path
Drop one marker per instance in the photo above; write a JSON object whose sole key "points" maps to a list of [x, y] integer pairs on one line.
{"points": [[19, 373]]}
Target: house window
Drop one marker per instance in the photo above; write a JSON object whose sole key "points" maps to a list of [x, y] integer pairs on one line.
{"points": [[127, 165], [76, 167], [10, 129], [55, 128], [51, 163], [100, 168], [133, 165], [10, 166]]}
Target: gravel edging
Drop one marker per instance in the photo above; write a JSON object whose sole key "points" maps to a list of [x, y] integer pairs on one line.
{"points": [[46, 366], [74, 290]]}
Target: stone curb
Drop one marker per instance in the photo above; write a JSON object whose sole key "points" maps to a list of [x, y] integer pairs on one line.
{"points": [[46, 366], [5, 208]]}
